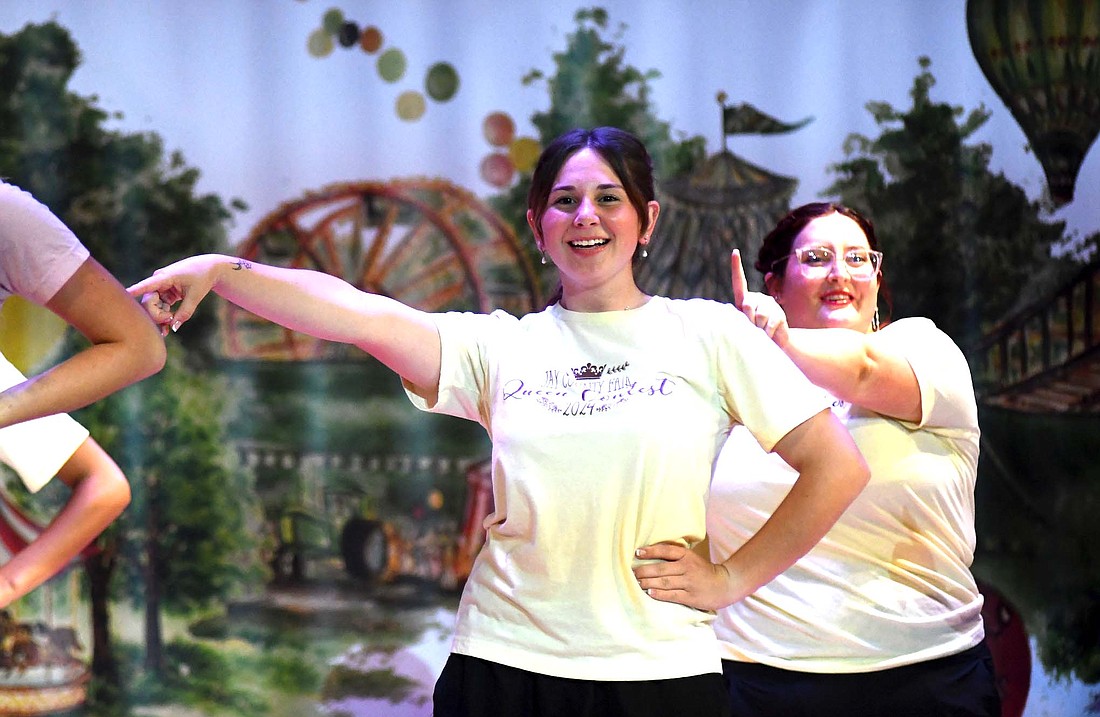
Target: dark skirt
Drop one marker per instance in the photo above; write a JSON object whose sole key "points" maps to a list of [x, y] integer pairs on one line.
{"points": [[472, 687], [954, 686]]}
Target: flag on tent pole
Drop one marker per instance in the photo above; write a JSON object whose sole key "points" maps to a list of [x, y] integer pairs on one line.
{"points": [[746, 119]]}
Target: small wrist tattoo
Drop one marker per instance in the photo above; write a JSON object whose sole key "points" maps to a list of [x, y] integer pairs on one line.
{"points": [[241, 264]]}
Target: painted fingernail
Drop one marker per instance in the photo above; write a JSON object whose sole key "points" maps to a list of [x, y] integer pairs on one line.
{"points": [[176, 325]]}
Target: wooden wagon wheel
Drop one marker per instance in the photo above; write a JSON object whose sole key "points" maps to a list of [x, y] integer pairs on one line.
{"points": [[424, 242]]}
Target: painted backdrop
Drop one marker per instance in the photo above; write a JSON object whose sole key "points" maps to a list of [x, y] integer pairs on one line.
{"points": [[299, 534]]}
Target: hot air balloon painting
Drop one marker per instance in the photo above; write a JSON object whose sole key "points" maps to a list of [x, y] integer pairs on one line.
{"points": [[1042, 57]]}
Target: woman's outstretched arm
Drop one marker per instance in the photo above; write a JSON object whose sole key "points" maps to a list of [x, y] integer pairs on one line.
{"points": [[311, 302]]}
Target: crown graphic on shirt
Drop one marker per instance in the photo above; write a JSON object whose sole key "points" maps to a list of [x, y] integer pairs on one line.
{"points": [[588, 372]]}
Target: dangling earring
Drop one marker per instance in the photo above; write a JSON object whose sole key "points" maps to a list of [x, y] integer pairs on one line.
{"points": [[543, 257], [874, 320], [645, 252]]}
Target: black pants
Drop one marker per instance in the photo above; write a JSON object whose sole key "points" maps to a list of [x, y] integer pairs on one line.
{"points": [[471, 687], [961, 685]]}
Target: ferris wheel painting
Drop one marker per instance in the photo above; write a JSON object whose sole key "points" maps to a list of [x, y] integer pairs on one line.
{"points": [[425, 242]]}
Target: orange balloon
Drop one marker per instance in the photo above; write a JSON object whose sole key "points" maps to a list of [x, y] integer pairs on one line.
{"points": [[370, 40]]}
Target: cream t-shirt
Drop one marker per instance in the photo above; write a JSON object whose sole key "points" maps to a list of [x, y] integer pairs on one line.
{"points": [[605, 428], [890, 583]]}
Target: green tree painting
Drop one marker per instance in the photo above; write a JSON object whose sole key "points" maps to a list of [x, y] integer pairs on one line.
{"points": [[183, 540], [135, 208], [969, 249], [968, 238]]}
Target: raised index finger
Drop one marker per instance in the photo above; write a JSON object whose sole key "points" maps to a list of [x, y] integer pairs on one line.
{"points": [[154, 284], [737, 278]]}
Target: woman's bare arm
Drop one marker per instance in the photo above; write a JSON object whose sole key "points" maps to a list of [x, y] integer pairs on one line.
{"points": [[100, 493], [126, 347], [311, 302]]}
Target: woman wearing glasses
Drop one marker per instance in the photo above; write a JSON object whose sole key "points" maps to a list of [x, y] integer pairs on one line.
{"points": [[883, 617]]}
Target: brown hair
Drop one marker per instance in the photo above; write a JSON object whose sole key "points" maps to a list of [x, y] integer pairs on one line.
{"points": [[776, 247], [623, 152]]}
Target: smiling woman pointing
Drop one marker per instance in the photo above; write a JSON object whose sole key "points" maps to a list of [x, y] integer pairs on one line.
{"points": [[563, 612], [883, 617]]}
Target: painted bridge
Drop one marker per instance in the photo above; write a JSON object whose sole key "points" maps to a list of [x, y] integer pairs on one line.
{"points": [[1046, 359]]}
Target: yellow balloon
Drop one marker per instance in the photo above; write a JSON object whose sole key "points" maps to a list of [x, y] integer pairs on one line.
{"points": [[28, 332], [411, 106], [524, 152], [320, 43]]}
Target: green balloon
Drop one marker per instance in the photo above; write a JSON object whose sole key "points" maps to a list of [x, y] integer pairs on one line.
{"points": [[391, 65], [1040, 57], [441, 83], [332, 21]]}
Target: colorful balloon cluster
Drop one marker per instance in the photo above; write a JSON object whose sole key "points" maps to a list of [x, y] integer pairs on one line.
{"points": [[512, 153], [440, 82]]}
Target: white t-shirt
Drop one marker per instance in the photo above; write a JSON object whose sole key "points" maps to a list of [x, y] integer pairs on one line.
{"points": [[37, 449], [38, 253], [890, 583], [605, 428]]}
